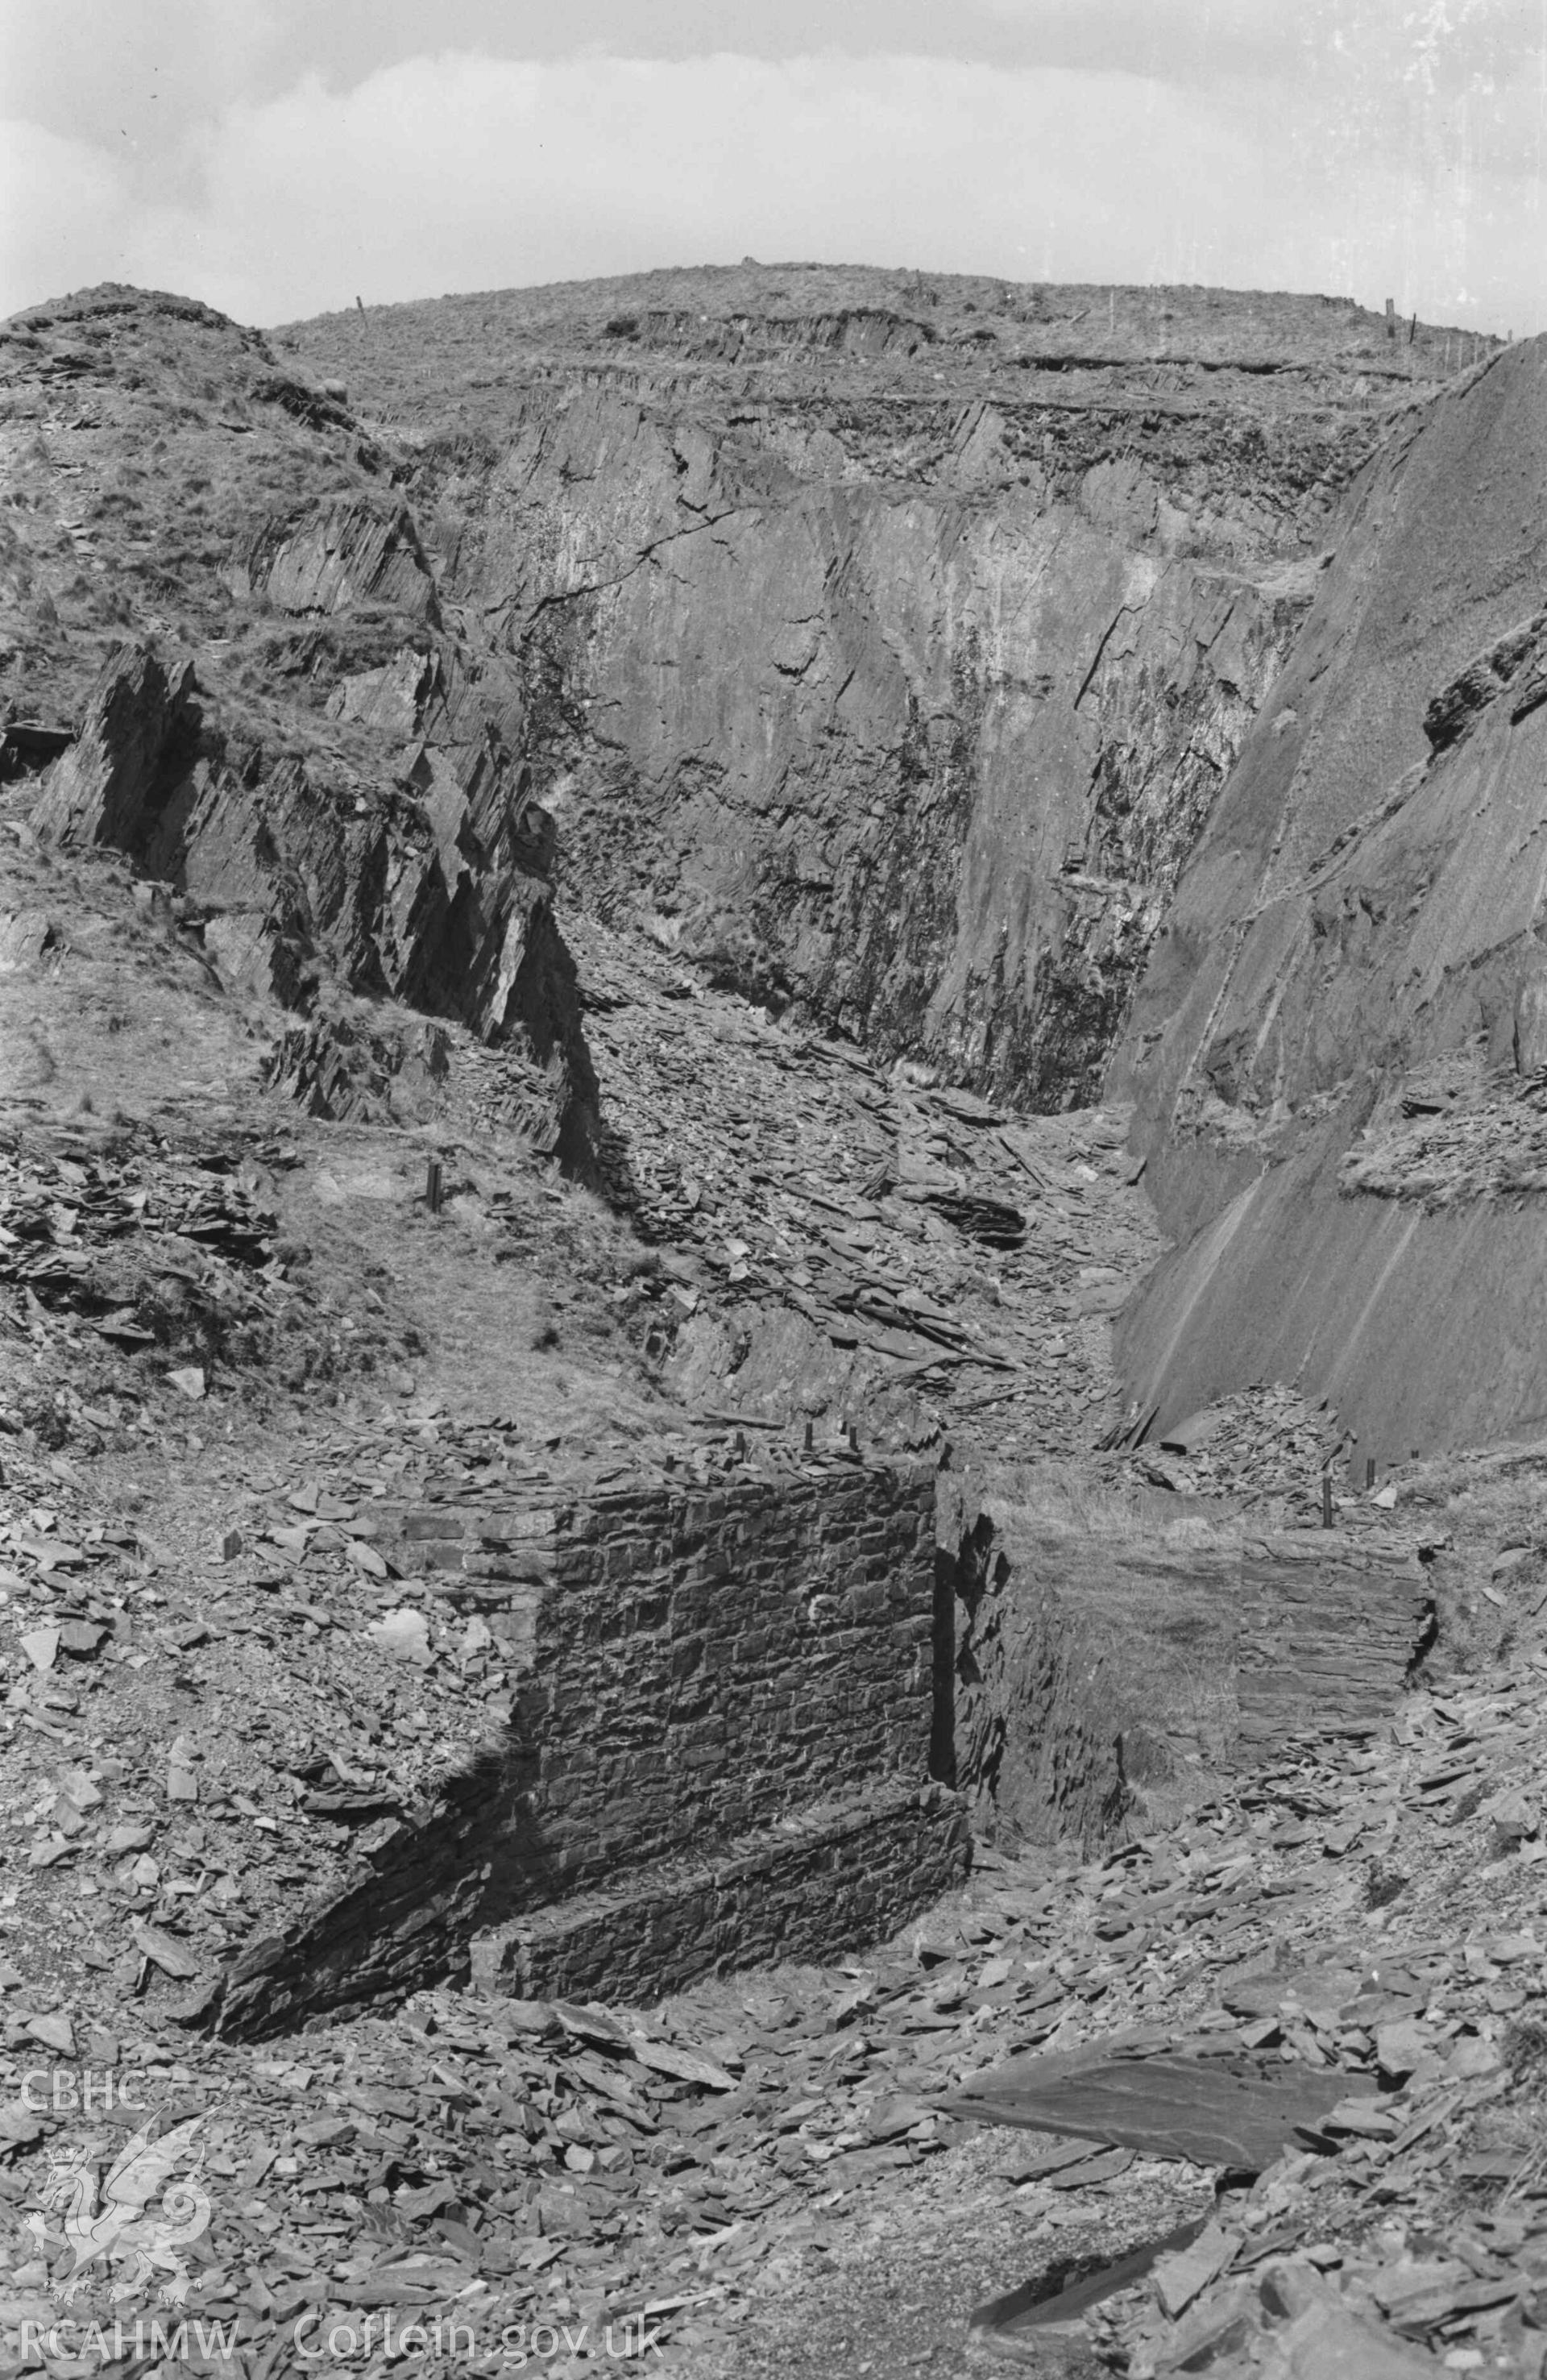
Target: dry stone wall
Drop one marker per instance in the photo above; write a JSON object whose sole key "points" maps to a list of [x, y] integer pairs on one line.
{"points": [[718, 1751]]}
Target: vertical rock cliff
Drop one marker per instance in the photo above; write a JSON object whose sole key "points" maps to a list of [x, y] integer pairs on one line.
{"points": [[883, 645], [1339, 1051], [923, 758]]}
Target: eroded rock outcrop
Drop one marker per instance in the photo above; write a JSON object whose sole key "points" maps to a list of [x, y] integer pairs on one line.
{"points": [[430, 892], [141, 726], [339, 553]]}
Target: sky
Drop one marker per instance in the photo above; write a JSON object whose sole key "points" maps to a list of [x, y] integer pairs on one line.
{"points": [[279, 158]]}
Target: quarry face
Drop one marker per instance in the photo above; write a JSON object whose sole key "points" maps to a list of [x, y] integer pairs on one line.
{"points": [[770, 1399]]}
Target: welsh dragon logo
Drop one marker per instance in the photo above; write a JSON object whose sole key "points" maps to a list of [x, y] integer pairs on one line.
{"points": [[125, 2233]]}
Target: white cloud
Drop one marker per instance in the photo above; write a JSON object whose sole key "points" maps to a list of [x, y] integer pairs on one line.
{"points": [[70, 216], [464, 173], [42, 242], [64, 216], [459, 173]]}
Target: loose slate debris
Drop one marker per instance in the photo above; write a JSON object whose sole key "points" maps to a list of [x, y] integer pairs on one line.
{"points": [[1006, 2318], [1235, 2111], [471, 2151], [1266, 1448], [987, 1219], [851, 1228], [62, 1213], [27, 744]]}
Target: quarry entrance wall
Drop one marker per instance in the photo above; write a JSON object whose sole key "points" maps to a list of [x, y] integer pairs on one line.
{"points": [[719, 1749], [764, 1721]]}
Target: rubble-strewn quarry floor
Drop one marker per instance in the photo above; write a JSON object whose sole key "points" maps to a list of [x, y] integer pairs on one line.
{"points": [[768, 2151], [204, 1711]]}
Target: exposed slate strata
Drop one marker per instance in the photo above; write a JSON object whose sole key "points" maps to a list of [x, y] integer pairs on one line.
{"points": [[723, 1698], [1096, 1676], [840, 625], [1326, 1635], [1366, 901], [140, 734], [1517, 656], [887, 662], [989, 676], [435, 893], [339, 553]]}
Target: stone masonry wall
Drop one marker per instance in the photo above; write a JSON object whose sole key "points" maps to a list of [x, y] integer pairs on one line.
{"points": [[842, 1872], [710, 1664], [717, 1751]]}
